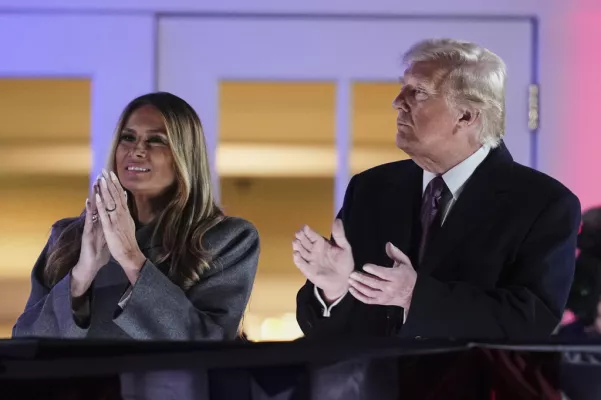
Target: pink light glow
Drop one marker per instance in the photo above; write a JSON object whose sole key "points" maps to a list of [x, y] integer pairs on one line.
{"points": [[580, 151]]}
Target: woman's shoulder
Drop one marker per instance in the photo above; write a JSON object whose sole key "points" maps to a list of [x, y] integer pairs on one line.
{"points": [[62, 224], [231, 232], [231, 227], [59, 226]]}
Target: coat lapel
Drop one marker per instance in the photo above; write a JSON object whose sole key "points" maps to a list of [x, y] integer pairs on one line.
{"points": [[403, 202], [481, 198]]}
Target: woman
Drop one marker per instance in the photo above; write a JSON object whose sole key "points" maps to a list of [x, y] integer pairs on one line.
{"points": [[152, 256]]}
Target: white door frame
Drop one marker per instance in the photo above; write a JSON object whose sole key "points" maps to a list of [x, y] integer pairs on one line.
{"points": [[196, 52], [115, 51]]}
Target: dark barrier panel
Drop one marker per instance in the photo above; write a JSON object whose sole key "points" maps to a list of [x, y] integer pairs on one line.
{"points": [[383, 369]]}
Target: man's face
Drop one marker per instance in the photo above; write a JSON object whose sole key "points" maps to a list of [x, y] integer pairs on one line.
{"points": [[426, 122]]}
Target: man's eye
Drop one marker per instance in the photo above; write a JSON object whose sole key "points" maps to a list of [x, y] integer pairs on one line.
{"points": [[420, 94]]}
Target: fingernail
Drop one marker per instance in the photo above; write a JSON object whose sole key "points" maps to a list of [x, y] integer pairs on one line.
{"points": [[103, 179], [113, 176], [98, 198], [104, 172]]}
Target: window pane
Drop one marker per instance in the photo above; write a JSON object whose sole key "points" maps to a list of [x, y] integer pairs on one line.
{"points": [[44, 169], [374, 125], [276, 159]]}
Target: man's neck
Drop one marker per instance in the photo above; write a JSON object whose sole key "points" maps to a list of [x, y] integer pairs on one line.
{"points": [[444, 162]]}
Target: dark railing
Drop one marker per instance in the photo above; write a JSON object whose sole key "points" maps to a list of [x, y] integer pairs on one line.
{"points": [[379, 368]]}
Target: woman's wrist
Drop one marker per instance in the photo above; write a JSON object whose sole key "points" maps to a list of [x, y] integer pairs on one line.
{"points": [[134, 262], [133, 265], [80, 280]]}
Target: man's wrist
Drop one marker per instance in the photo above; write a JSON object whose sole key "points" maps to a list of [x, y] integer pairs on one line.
{"points": [[331, 296]]}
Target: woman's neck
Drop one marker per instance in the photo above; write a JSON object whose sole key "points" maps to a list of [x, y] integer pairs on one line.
{"points": [[144, 210], [147, 206]]}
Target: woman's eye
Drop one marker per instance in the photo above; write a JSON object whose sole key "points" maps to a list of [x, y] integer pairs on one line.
{"points": [[156, 139], [127, 137]]}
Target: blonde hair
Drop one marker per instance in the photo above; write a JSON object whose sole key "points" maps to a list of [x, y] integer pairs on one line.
{"points": [[190, 211], [473, 77]]}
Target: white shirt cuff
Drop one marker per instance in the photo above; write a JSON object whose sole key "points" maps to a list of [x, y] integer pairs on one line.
{"points": [[125, 298], [404, 315], [326, 310]]}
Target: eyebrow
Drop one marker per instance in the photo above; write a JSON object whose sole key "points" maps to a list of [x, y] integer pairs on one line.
{"points": [[426, 83], [157, 130]]}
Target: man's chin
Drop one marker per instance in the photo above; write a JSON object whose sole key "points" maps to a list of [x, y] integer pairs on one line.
{"points": [[401, 141]]}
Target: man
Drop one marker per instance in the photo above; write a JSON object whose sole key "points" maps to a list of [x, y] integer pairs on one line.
{"points": [[584, 300], [458, 242]]}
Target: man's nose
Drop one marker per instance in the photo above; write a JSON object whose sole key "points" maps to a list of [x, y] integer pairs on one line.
{"points": [[400, 104]]}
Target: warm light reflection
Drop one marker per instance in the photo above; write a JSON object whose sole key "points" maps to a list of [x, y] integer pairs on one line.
{"points": [[45, 160], [274, 328], [277, 112], [373, 125]]}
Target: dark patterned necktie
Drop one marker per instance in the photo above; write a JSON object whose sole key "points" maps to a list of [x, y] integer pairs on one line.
{"points": [[431, 212]]}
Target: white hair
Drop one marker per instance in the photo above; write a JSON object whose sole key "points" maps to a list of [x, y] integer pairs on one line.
{"points": [[474, 77]]}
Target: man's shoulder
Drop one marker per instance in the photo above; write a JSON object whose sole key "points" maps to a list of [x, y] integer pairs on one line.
{"points": [[395, 170], [539, 184]]}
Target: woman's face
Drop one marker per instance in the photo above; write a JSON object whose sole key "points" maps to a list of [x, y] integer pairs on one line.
{"points": [[143, 158]]}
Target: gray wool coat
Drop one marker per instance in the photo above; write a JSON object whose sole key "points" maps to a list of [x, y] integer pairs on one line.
{"points": [[157, 309]]}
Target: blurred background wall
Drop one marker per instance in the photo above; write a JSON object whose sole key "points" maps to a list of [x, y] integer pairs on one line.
{"points": [[295, 97]]}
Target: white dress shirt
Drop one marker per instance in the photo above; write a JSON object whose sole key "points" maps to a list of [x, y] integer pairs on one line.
{"points": [[455, 179], [125, 298]]}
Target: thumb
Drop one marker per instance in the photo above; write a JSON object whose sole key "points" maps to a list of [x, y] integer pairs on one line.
{"points": [[396, 255], [338, 234]]}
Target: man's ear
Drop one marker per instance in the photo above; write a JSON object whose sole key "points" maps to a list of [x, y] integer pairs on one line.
{"points": [[468, 117]]}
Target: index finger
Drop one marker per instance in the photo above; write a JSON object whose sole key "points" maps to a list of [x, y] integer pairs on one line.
{"points": [[372, 281], [119, 189], [380, 272], [311, 234]]}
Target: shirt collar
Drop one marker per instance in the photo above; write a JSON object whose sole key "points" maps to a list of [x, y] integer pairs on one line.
{"points": [[456, 177]]}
